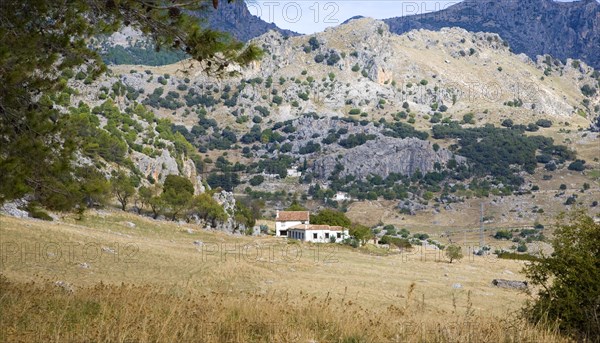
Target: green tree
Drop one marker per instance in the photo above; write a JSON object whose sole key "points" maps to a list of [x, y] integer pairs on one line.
{"points": [[331, 217], [123, 189], [454, 252], [177, 194], [361, 233], [157, 205], [41, 42], [144, 196], [243, 216], [569, 291], [208, 209]]}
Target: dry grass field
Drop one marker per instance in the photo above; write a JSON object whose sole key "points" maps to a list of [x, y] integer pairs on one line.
{"points": [[117, 277]]}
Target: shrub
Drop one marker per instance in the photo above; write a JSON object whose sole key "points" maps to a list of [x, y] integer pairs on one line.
{"points": [[578, 165], [468, 118], [503, 234], [544, 123], [277, 99], [588, 90], [257, 180], [333, 59], [567, 280]]}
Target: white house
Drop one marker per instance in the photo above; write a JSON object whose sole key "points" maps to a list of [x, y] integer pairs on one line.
{"points": [[341, 196], [286, 219], [293, 172], [318, 233]]}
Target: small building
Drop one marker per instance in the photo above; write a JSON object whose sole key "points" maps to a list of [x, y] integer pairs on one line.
{"points": [[341, 196], [318, 233], [286, 219], [293, 172]]}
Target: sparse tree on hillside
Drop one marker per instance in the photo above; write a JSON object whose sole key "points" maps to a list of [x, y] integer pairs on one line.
{"points": [[144, 196], [454, 252], [177, 194], [208, 209], [122, 188], [569, 290], [157, 205], [243, 216]]}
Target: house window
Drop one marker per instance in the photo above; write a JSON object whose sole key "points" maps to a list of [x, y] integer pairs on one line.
{"points": [[314, 236], [339, 235], [327, 235], [303, 222]]}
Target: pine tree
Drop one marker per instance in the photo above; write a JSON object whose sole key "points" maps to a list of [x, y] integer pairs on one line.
{"points": [[41, 43]]}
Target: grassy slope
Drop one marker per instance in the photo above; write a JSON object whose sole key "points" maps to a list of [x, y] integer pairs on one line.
{"points": [[174, 285]]}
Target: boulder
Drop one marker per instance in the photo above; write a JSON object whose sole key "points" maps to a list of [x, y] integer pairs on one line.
{"points": [[509, 284]]}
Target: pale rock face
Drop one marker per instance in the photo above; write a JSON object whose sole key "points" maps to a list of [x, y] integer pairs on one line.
{"points": [[158, 167], [386, 155]]}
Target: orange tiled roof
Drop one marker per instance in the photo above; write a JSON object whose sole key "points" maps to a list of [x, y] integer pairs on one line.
{"points": [[287, 216]]}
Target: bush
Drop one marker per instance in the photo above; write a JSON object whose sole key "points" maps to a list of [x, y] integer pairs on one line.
{"points": [[544, 123], [257, 180], [468, 118], [503, 234], [567, 280], [333, 59], [507, 123], [588, 90], [578, 165]]}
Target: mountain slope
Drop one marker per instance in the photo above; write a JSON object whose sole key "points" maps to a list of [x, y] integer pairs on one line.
{"points": [[236, 19], [534, 27]]}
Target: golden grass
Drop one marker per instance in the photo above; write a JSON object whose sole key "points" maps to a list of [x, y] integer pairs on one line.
{"points": [[109, 313], [176, 291]]}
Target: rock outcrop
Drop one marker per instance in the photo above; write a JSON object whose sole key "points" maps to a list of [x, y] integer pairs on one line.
{"points": [[509, 284], [383, 156]]}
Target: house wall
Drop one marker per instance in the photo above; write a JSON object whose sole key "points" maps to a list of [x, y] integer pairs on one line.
{"points": [[322, 236], [279, 226]]}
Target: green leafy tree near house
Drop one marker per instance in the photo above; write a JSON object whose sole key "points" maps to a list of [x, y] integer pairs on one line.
{"points": [[567, 280], [361, 233], [331, 217]]}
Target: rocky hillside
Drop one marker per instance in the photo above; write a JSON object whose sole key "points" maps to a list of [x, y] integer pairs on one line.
{"points": [[361, 110], [534, 27]]}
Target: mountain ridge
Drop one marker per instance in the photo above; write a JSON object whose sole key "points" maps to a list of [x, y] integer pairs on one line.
{"points": [[534, 27]]}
